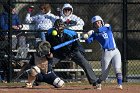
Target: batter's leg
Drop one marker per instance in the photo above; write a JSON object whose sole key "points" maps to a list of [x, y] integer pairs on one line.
{"points": [[116, 62]]}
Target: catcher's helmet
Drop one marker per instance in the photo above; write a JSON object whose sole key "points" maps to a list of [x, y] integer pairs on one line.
{"points": [[43, 48], [58, 23]]}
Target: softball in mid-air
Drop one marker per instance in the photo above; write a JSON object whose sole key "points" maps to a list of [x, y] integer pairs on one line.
{"points": [[54, 32]]}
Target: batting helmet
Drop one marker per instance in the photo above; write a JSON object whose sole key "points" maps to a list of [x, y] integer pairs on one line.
{"points": [[97, 18]]}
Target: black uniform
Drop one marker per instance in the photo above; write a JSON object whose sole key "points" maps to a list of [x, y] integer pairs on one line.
{"points": [[72, 51]]}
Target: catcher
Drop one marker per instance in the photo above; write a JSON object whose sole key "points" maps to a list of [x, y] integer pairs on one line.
{"points": [[40, 67]]}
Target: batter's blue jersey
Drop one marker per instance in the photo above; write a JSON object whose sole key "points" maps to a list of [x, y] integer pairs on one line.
{"points": [[104, 36]]}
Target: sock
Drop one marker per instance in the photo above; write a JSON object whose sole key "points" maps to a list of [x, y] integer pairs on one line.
{"points": [[119, 78]]}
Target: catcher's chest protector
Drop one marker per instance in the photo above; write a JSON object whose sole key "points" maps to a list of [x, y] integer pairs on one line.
{"points": [[42, 63]]}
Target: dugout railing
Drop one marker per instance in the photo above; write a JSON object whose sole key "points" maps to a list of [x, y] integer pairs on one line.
{"points": [[121, 14]]}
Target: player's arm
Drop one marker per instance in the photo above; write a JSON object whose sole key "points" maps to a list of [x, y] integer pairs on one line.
{"points": [[90, 39], [43, 36], [89, 36], [76, 23], [17, 24], [53, 17], [28, 18], [79, 21], [48, 35], [106, 27], [3, 24]]}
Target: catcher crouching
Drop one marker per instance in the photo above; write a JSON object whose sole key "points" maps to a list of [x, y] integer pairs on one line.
{"points": [[40, 70]]}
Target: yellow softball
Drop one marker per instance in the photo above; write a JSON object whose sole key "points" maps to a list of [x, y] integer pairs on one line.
{"points": [[54, 32]]}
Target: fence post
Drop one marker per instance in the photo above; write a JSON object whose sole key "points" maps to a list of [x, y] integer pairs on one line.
{"points": [[9, 77], [124, 43]]}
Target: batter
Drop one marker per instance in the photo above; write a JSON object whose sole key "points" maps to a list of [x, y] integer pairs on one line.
{"points": [[110, 53]]}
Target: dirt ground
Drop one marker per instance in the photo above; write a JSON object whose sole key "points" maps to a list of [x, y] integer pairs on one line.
{"points": [[79, 88]]}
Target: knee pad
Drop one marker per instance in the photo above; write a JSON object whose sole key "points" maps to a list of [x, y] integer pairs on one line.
{"points": [[34, 70], [58, 83]]}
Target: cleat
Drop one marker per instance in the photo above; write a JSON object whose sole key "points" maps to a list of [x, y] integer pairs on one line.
{"points": [[119, 87], [28, 85], [98, 87]]}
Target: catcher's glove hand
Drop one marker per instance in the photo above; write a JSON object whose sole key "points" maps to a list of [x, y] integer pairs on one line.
{"points": [[43, 48]]}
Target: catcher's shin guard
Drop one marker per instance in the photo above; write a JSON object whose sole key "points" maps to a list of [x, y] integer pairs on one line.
{"points": [[58, 83]]}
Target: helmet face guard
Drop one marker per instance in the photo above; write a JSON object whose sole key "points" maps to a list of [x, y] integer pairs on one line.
{"points": [[59, 25]]}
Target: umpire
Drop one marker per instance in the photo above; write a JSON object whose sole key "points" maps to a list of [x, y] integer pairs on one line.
{"points": [[57, 35]]}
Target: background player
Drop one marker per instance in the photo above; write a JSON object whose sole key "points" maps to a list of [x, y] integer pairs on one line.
{"points": [[43, 20], [110, 54], [71, 21]]}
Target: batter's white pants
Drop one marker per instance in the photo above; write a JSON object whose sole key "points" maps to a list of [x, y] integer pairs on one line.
{"points": [[110, 57]]}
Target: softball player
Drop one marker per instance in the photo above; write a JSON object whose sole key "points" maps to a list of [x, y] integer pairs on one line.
{"points": [[110, 54], [40, 67]]}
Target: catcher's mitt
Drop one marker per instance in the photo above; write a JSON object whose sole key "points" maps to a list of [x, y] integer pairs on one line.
{"points": [[43, 48]]}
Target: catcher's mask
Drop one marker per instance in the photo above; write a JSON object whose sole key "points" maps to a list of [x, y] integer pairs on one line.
{"points": [[43, 48], [59, 25]]}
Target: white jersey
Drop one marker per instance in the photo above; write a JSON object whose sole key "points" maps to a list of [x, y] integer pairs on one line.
{"points": [[78, 26], [79, 22], [42, 21]]}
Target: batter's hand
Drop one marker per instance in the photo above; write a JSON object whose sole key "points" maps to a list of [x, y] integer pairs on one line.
{"points": [[85, 36], [90, 32]]}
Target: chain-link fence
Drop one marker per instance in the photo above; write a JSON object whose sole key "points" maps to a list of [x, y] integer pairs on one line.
{"points": [[122, 15]]}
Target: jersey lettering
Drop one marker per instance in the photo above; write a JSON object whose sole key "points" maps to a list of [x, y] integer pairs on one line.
{"points": [[105, 35]]}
